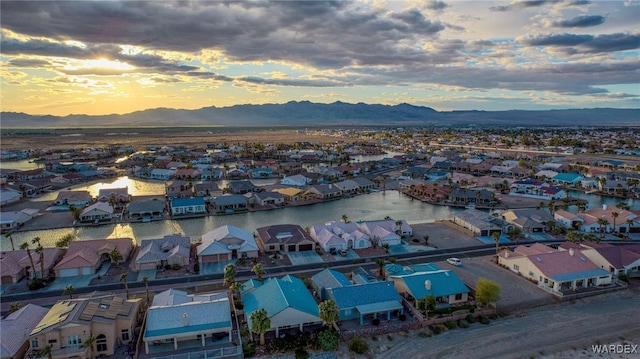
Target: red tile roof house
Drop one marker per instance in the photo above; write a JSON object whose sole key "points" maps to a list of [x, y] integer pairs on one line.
{"points": [[16, 328], [15, 265], [85, 257], [617, 259], [556, 271]]}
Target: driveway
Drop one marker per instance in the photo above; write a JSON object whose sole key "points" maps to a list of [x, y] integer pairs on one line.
{"points": [[304, 257]]}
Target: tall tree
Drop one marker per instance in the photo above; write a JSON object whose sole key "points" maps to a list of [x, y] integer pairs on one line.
{"points": [[236, 290], [345, 218], [329, 312], [230, 274], [68, 290], [123, 278], [46, 351], [260, 323], [40, 252], [380, 263], [15, 306], [399, 227], [615, 216], [145, 280], [8, 235], [88, 343], [258, 270], [25, 246], [602, 223], [496, 238], [115, 257]]}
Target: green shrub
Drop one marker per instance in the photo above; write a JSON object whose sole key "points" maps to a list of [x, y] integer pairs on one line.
{"points": [[376, 321], [302, 353], [175, 266], [37, 283], [328, 340], [484, 320], [493, 317], [424, 335], [402, 317], [390, 337], [436, 329], [358, 346], [470, 318], [249, 349], [451, 324], [463, 323]]}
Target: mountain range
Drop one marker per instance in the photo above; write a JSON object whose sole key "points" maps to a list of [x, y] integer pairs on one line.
{"points": [[309, 114]]}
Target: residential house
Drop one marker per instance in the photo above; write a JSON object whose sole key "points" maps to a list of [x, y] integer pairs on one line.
{"points": [[78, 199], [364, 184], [287, 301], [417, 282], [617, 259], [109, 318], [16, 328], [189, 174], [115, 195], [207, 189], [370, 299], [262, 172], [334, 236], [242, 187], [325, 191], [155, 173], [183, 320], [297, 180], [210, 173], [326, 279], [183, 206], [266, 199], [478, 223], [11, 221], [600, 220], [348, 187], [229, 203], [429, 192], [170, 250], [86, 257], [285, 237], [8, 197], [16, 265], [226, 243], [148, 208], [554, 270], [178, 189], [386, 231], [290, 168], [528, 220], [292, 194], [98, 211], [478, 196], [570, 179]]}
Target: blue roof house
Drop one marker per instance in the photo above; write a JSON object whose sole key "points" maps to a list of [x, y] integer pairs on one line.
{"points": [[322, 281], [567, 178], [286, 300], [188, 206], [444, 285], [358, 301]]}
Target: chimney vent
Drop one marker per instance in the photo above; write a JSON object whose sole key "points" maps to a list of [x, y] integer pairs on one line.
{"points": [[185, 319]]}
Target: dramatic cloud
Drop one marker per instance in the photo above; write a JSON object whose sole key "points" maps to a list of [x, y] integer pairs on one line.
{"points": [[526, 4], [581, 21], [587, 43]]}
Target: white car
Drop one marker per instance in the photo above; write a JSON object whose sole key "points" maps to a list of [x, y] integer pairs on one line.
{"points": [[454, 261]]}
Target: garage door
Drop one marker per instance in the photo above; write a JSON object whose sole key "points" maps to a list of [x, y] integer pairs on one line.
{"points": [[71, 272], [305, 247]]}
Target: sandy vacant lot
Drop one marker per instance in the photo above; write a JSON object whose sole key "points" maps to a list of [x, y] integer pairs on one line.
{"points": [[192, 137]]}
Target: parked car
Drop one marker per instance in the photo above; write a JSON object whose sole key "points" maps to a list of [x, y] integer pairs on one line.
{"points": [[343, 252], [454, 261]]}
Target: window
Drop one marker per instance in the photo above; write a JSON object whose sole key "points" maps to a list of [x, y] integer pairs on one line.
{"points": [[125, 335], [34, 343], [101, 343], [459, 296], [53, 341], [74, 341], [516, 267]]}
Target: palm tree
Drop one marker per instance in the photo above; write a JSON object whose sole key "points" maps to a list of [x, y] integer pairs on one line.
{"points": [[629, 223], [115, 257], [15, 306], [8, 235], [68, 290], [40, 252], [496, 238], [123, 278], [25, 246], [399, 227], [345, 219], [258, 271], [89, 344], [236, 290], [329, 312], [614, 215], [622, 205], [602, 222], [145, 280], [380, 263], [229, 274], [260, 323], [46, 351]]}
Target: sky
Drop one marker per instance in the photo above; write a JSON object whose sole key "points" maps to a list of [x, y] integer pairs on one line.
{"points": [[116, 57]]}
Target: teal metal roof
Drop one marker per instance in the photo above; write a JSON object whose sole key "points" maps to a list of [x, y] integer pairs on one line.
{"points": [[443, 283], [329, 278], [365, 294], [379, 307], [580, 275], [278, 294]]}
